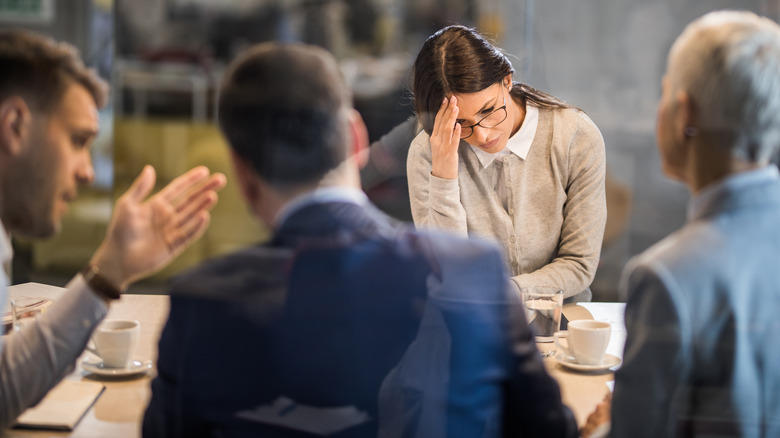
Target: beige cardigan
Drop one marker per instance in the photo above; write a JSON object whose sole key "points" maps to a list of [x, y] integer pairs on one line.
{"points": [[552, 231]]}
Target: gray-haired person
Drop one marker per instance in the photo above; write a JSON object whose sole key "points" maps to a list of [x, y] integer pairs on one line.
{"points": [[702, 352]]}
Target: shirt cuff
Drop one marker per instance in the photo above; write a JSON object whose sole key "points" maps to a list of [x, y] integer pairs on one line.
{"points": [[79, 305]]}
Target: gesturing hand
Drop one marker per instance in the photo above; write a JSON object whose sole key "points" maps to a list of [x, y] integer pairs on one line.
{"points": [[445, 139], [144, 235], [598, 418]]}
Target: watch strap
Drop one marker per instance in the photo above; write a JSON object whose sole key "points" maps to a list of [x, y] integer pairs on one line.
{"points": [[100, 284]]}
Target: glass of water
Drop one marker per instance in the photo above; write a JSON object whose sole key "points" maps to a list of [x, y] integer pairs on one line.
{"points": [[543, 306]]}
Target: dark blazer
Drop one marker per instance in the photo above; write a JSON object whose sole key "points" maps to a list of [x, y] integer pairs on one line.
{"points": [[350, 324]]}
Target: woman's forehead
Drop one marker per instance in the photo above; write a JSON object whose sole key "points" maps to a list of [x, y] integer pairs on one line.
{"points": [[471, 104]]}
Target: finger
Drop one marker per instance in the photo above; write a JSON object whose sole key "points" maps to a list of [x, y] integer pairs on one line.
{"points": [[455, 139], [218, 181], [446, 118], [182, 236], [214, 183], [203, 203], [207, 188], [451, 118], [183, 183], [437, 121], [143, 184]]}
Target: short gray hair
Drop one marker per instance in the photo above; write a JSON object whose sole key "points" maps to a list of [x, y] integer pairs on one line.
{"points": [[729, 63]]}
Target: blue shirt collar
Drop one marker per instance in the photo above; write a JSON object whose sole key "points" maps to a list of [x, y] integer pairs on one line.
{"points": [[733, 183]]}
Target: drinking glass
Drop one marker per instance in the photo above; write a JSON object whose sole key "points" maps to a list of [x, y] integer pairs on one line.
{"points": [[543, 306]]}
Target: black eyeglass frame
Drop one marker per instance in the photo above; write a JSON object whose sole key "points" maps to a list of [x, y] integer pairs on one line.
{"points": [[479, 123]]}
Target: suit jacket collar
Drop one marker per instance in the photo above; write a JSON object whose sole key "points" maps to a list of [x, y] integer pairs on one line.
{"points": [[314, 225], [743, 190], [324, 222]]}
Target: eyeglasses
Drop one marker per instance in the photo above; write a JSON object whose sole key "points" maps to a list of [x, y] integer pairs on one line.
{"points": [[495, 118]]}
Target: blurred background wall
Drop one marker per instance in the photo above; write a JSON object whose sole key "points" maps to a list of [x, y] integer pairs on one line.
{"points": [[165, 58]]}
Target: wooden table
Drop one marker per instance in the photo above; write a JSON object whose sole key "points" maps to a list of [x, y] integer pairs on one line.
{"points": [[119, 410], [583, 391]]}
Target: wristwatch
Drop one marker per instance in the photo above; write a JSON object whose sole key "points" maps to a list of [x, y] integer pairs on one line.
{"points": [[100, 284]]}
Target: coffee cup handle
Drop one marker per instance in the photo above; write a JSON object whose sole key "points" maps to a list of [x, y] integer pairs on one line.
{"points": [[557, 338], [91, 348]]}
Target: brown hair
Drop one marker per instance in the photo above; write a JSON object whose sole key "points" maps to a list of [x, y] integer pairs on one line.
{"points": [[283, 108], [458, 60], [40, 69]]}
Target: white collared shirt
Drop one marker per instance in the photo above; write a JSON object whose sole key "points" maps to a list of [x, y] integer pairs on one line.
{"points": [[320, 195], [519, 144], [6, 255]]}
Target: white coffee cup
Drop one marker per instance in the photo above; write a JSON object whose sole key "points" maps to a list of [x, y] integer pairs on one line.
{"points": [[587, 340], [115, 341]]}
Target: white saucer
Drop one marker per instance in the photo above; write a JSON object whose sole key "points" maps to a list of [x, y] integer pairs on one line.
{"points": [[96, 366], [569, 362]]}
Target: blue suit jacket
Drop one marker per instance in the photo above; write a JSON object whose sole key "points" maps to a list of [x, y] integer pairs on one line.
{"points": [[347, 318], [702, 356]]}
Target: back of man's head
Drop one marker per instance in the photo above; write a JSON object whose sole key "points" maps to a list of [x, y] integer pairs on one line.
{"points": [[729, 63], [40, 69], [284, 109]]}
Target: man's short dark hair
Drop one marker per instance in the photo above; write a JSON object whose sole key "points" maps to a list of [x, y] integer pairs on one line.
{"points": [[283, 107], [40, 69]]}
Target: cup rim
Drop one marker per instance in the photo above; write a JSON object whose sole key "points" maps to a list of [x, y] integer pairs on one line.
{"points": [[578, 324], [551, 290], [131, 324]]}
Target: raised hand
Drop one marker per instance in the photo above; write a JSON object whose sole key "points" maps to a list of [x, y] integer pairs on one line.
{"points": [[146, 234], [445, 139]]}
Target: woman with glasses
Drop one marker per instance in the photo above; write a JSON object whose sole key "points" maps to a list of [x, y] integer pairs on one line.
{"points": [[501, 160]]}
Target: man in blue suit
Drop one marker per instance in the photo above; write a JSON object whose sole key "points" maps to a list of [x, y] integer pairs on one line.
{"points": [[702, 355], [346, 323]]}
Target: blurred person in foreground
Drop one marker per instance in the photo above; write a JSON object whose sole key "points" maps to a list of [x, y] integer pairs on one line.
{"points": [[347, 323], [48, 119], [702, 352]]}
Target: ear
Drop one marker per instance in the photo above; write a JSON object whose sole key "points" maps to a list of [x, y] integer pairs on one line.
{"points": [[507, 81], [684, 117], [359, 137], [246, 179], [15, 118]]}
